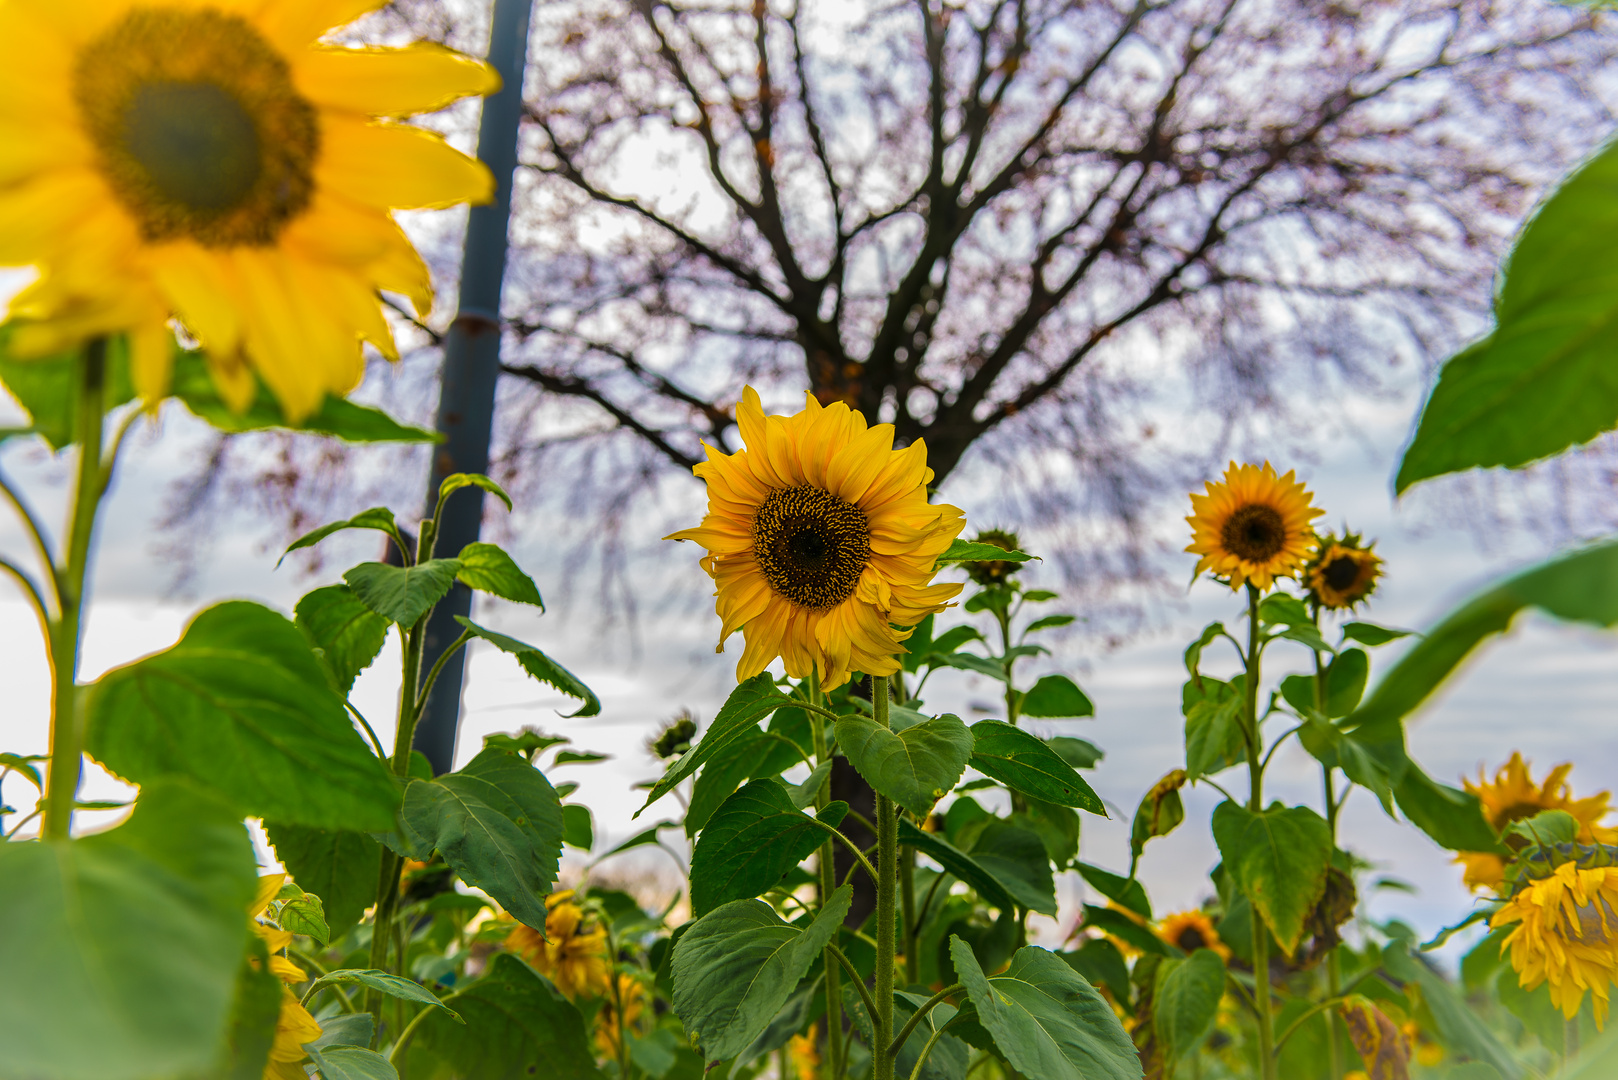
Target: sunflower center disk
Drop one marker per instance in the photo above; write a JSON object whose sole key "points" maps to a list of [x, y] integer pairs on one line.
{"points": [[198, 128], [1342, 573], [1191, 939], [811, 545], [1254, 533]]}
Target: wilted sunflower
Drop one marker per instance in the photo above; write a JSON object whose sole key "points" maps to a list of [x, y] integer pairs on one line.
{"points": [[1252, 526], [634, 999], [1514, 796], [1343, 572], [821, 541], [573, 952], [213, 163], [1192, 930], [1566, 935]]}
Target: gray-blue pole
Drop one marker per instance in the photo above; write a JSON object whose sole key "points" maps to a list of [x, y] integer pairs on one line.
{"points": [[472, 368]]}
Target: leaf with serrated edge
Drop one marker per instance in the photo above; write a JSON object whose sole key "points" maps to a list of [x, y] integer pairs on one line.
{"points": [[392, 985], [1278, 858], [748, 704], [960, 551], [402, 594], [487, 568], [379, 518], [916, 767], [1025, 763], [754, 838], [348, 634], [339, 866], [539, 666]]}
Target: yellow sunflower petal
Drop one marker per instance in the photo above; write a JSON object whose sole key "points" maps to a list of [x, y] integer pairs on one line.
{"points": [[295, 23], [419, 78], [395, 166]]}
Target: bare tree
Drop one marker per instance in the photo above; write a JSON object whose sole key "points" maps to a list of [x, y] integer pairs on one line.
{"points": [[1082, 240]]}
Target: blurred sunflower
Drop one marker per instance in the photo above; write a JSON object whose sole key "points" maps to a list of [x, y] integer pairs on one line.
{"points": [[634, 998], [803, 1052], [1344, 571], [1514, 796], [1252, 526], [572, 953], [294, 1026], [1192, 930], [821, 541], [996, 572], [215, 164], [1566, 934]]}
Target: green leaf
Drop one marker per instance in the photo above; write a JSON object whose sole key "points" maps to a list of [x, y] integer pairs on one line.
{"points": [[1371, 634], [1121, 890], [515, 1023], [727, 770], [737, 965], [1307, 635], [1046, 1019], [916, 767], [1546, 828], [1125, 929], [379, 518], [24, 767], [381, 981], [1160, 812], [456, 481], [804, 794], [1579, 587], [1056, 826], [487, 568], [539, 666], [47, 386], [1079, 753], [253, 1016], [1283, 609], [787, 1023], [1213, 726], [1278, 860], [402, 594], [1016, 858], [337, 865], [1186, 1000], [954, 638], [1102, 964], [1024, 763], [578, 827], [948, 1057], [1461, 1028], [962, 865], [1451, 817], [1345, 681], [498, 823], [1543, 380], [242, 706], [347, 634], [337, 417], [1048, 621], [528, 742], [1056, 696], [306, 915], [1337, 750], [352, 1063], [970, 662], [751, 841], [1193, 652], [579, 757], [960, 551], [135, 935]]}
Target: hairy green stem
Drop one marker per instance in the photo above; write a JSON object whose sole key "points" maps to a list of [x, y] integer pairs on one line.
{"points": [[887, 860], [67, 731], [1334, 974], [832, 1062], [907, 899], [921, 1014], [1255, 803]]}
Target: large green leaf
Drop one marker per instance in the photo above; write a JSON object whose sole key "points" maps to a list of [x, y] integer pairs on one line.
{"points": [[402, 594], [949, 1056], [1056, 696], [47, 386], [960, 551], [1452, 817], [1186, 1001], [517, 1027], [498, 823], [738, 964], [1461, 1028], [1213, 725], [241, 705], [122, 950], [347, 634], [336, 865], [1026, 764], [1278, 859], [749, 703], [1046, 1019], [539, 666], [1579, 587], [1016, 857], [754, 838], [352, 1063], [1544, 380], [1337, 749], [487, 568], [915, 767], [959, 863]]}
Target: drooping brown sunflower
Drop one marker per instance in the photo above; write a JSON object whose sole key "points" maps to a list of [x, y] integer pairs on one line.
{"points": [[1344, 571], [1512, 795], [821, 541], [1192, 930], [1252, 526], [211, 161]]}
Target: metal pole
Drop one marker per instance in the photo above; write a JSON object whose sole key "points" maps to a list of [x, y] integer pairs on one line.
{"points": [[472, 368]]}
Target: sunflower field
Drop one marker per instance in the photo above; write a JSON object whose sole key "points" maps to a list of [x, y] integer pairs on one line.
{"points": [[205, 196]]}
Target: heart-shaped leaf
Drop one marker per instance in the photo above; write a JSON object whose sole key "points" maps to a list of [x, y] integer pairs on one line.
{"points": [[751, 841], [1278, 859], [916, 767], [737, 966], [487, 568], [402, 594], [348, 634], [1025, 763], [337, 865], [1056, 695], [539, 666], [1187, 1000]]}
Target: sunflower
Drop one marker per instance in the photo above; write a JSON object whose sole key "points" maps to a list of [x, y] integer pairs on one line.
{"points": [[1566, 934], [821, 541], [634, 999], [1192, 930], [1514, 796], [572, 953], [209, 161], [1344, 572], [1253, 526], [803, 1053], [293, 1026]]}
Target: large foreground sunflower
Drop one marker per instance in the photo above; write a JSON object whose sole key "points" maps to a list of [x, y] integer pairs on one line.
{"points": [[821, 540], [213, 163], [1566, 934], [1514, 796], [1252, 526]]}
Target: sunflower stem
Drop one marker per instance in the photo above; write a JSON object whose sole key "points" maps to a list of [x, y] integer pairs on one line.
{"points": [[1334, 976], [887, 844], [67, 730], [832, 1062], [1255, 803]]}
